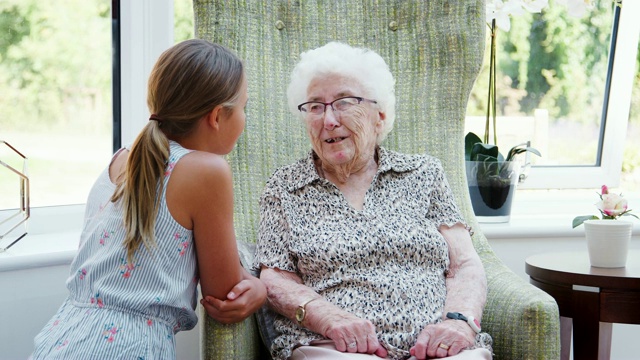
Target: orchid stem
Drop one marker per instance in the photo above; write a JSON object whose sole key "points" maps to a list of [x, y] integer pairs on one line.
{"points": [[491, 98]]}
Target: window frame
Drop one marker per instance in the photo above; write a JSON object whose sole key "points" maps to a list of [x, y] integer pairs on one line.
{"points": [[146, 30], [144, 35], [608, 170]]}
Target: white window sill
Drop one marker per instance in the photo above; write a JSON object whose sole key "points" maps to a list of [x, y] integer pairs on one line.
{"points": [[54, 232], [40, 250], [52, 239], [549, 214]]}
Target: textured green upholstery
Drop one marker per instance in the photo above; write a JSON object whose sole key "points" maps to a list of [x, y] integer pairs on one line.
{"points": [[434, 49]]}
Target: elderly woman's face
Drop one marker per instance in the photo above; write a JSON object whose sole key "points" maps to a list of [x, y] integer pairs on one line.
{"points": [[344, 136]]}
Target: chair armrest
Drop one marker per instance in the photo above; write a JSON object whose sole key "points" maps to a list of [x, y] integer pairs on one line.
{"points": [[233, 341], [523, 320]]}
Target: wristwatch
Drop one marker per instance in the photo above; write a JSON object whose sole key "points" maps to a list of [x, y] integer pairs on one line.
{"points": [[473, 323], [301, 311]]}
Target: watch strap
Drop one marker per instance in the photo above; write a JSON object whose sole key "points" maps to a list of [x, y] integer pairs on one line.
{"points": [[301, 311], [473, 322]]}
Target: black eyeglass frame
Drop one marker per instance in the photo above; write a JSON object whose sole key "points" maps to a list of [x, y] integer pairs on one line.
{"points": [[359, 98]]}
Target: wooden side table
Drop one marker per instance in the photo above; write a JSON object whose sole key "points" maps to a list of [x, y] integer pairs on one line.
{"points": [[592, 297]]}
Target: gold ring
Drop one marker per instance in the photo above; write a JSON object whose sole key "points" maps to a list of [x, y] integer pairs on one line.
{"points": [[443, 346]]}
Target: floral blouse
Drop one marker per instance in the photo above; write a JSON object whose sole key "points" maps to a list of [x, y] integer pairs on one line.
{"points": [[385, 263]]}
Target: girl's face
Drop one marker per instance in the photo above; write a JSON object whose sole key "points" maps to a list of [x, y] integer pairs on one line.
{"points": [[235, 119]]}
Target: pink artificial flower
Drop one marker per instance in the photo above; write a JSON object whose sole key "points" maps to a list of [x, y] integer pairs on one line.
{"points": [[611, 207], [612, 204]]}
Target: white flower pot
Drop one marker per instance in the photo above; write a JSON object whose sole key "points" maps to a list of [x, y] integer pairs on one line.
{"points": [[608, 242]]}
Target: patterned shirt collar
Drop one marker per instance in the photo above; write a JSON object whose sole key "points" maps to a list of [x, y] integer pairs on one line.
{"points": [[387, 161]]}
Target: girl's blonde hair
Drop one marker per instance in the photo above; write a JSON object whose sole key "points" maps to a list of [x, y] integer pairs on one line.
{"points": [[186, 83]]}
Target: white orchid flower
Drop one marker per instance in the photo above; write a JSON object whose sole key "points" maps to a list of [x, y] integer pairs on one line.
{"points": [[501, 10], [576, 8], [535, 6]]}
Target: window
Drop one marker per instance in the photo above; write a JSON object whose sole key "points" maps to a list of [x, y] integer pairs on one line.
{"points": [[183, 20], [555, 90], [56, 103], [55, 81]]}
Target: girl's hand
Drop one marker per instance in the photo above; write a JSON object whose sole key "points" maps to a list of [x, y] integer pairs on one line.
{"points": [[244, 299]]}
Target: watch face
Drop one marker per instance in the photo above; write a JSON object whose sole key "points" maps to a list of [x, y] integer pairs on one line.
{"points": [[300, 312]]}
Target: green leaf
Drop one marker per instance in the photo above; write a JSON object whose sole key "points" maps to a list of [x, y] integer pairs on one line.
{"points": [[483, 149], [519, 149], [469, 140], [578, 220]]}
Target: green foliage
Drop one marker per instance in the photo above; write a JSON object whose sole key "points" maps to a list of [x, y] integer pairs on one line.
{"points": [[183, 20], [16, 27], [494, 167], [578, 220], [55, 64], [552, 61], [631, 162], [476, 150]]}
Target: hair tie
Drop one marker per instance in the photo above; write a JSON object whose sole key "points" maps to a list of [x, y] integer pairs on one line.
{"points": [[154, 117]]}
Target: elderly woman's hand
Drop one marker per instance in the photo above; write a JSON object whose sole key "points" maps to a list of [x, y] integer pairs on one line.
{"points": [[454, 336], [351, 333]]}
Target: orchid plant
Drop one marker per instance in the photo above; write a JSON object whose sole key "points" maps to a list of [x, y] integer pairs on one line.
{"points": [[476, 149], [611, 207], [498, 15]]}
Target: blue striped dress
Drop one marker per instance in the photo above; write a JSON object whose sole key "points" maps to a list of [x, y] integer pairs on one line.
{"points": [[118, 309]]}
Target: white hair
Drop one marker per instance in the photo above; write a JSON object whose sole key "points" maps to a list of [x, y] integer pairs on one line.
{"points": [[365, 66]]}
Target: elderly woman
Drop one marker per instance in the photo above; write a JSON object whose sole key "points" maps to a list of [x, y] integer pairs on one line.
{"points": [[363, 250]]}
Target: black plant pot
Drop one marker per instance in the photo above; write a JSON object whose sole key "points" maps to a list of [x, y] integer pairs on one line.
{"points": [[492, 189]]}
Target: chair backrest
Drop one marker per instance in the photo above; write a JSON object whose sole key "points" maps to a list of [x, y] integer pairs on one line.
{"points": [[433, 48]]}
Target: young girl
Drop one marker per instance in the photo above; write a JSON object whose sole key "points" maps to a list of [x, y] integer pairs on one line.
{"points": [[159, 219]]}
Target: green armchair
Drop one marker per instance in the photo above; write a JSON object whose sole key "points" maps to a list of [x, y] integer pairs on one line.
{"points": [[434, 48]]}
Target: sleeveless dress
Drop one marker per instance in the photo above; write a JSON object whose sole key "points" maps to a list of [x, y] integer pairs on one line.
{"points": [[118, 309]]}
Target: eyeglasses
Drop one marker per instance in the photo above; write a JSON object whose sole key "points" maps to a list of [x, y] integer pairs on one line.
{"points": [[338, 105], [24, 211]]}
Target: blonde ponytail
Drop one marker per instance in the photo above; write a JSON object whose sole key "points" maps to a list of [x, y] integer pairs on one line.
{"points": [[144, 177]]}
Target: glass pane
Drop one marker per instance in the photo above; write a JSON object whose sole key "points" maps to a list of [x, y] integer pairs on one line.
{"points": [[551, 80], [183, 20], [630, 179], [55, 81]]}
